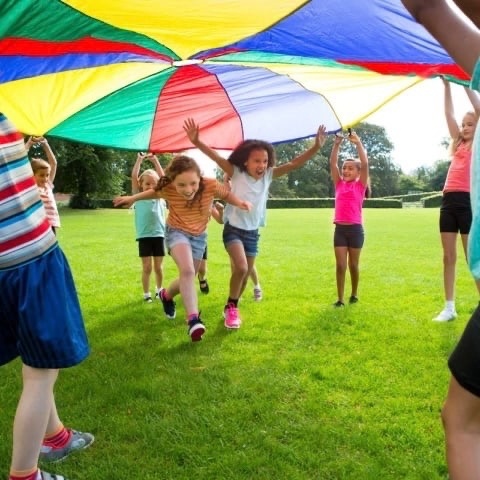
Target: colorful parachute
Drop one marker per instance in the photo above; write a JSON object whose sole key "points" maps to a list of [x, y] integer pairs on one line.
{"points": [[126, 74]]}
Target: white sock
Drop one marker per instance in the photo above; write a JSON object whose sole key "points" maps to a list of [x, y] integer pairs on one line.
{"points": [[146, 295], [450, 305], [257, 286]]}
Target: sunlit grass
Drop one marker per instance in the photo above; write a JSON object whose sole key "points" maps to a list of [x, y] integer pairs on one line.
{"points": [[301, 391]]}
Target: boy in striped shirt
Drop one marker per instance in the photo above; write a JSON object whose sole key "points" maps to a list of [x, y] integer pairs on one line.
{"points": [[40, 317]]}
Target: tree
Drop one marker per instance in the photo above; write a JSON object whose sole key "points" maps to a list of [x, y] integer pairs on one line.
{"points": [[313, 179]]}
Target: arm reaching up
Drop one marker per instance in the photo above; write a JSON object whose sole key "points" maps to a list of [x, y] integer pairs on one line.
{"points": [[193, 133], [299, 161]]}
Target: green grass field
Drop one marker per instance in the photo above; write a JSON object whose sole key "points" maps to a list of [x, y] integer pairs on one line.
{"points": [[301, 391]]}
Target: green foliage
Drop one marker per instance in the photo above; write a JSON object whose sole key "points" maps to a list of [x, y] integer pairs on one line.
{"points": [[302, 391], [433, 201]]}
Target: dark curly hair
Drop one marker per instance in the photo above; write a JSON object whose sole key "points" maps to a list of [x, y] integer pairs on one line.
{"points": [[178, 165], [241, 153]]}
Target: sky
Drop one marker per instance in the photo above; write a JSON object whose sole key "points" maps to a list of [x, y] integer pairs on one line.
{"points": [[414, 122]]}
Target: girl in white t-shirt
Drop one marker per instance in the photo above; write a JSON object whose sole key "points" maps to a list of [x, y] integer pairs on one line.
{"points": [[251, 167]]}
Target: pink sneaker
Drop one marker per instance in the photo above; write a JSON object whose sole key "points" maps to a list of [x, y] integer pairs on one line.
{"points": [[231, 316]]}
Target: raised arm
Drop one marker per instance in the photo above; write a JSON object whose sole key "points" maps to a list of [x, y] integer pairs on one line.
{"points": [[334, 170], [136, 173], [362, 156], [193, 133], [452, 29], [452, 124], [474, 99], [299, 161], [156, 164]]}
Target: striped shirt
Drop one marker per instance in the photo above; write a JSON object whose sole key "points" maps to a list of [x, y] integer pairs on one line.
{"points": [[192, 219], [48, 199], [25, 232]]}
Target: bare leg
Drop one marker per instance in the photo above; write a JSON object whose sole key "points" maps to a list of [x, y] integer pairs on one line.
{"points": [[240, 269], [146, 272], [341, 268], [449, 244], [254, 275], [187, 267], [158, 269], [35, 412], [353, 266], [202, 269], [461, 421]]}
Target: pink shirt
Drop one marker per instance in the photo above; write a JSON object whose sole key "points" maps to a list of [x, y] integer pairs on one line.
{"points": [[458, 176], [349, 198], [46, 194]]}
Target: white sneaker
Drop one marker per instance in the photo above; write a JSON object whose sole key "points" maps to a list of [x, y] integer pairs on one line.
{"points": [[445, 315]]}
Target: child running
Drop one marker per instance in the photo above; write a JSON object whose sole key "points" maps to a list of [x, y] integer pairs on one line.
{"points": [[149, 224], [251, 166], [189, 196], [44, 173], [351, 188]]}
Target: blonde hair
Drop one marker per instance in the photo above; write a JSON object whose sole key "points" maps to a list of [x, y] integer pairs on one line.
{"points": [[455, 142], [39, 164], [148, 173]]}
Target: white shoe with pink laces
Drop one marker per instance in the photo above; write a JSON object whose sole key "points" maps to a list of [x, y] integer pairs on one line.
{"points": [[231, 316]]}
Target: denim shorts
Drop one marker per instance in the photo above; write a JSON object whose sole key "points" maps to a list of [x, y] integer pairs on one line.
{"points": [[197, 242], [248, 238]]}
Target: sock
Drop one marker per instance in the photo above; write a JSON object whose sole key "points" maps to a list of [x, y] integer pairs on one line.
{"points": [[146, 294], [192, 316], [450, 305], [33, 474], [165, 295], [257, 286], [58, 439], [234, 301], [157, 289]]}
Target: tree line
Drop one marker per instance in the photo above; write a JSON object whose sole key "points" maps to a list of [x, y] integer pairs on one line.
{"points": [[90, 172]]}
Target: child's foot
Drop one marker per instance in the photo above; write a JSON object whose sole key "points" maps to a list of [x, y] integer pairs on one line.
{"points": [[231, 316], [353, 299], [196, 328], [147, 298], [204, 288], [257, 294], [338, 303], [168, 305], [78, 441], [446, 315]]}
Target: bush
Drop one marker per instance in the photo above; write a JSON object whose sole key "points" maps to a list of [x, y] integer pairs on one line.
{"points": [[82, 202], [433, 201]]}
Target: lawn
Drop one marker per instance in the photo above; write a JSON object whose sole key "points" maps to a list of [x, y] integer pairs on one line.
{"points": [[301, 391]]}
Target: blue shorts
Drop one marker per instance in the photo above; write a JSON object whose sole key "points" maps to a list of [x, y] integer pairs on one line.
{"points": [[197, 242], [248, 238], [40, 317]]}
